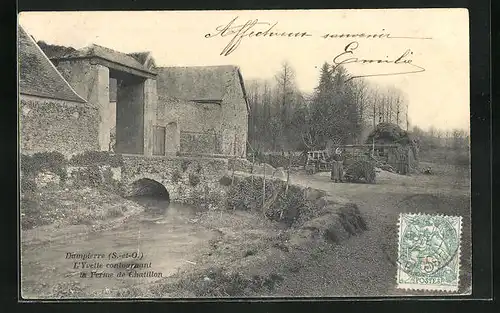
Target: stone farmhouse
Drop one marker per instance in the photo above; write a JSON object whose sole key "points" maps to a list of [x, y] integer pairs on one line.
{"points": [[96, 98]]}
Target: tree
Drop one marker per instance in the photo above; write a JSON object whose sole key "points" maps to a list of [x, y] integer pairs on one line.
{"points": [[286, 85]]}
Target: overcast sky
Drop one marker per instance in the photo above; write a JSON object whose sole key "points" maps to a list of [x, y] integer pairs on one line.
{"points": [[438, 96]]}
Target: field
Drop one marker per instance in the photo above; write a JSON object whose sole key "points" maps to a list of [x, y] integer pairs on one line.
{"points": [[241, 254]]}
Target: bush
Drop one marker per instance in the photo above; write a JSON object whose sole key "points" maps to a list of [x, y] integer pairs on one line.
{"points": [[89, 176], [44, 161], [361, 170], [88, 158], [246, 195], [34, 213], [110, 183]]}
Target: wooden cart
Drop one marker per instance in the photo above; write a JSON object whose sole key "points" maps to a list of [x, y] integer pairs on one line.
{"points": [[317, 161]]}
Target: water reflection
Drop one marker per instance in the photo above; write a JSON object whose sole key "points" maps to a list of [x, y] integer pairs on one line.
{"points": [[159, 208]]}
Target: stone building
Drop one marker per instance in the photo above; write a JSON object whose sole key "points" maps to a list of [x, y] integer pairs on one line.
{"points": [[149, 110], [52, 115], [204, 108]]}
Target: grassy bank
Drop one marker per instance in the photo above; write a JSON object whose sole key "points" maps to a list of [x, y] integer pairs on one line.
{"points": [[49, 213]]}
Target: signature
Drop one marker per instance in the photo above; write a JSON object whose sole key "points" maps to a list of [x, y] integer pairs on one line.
{"points": [[251, 28], [404, 59]]}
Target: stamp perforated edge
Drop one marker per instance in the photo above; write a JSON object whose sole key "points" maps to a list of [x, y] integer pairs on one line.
{"points": [[421, 287]]}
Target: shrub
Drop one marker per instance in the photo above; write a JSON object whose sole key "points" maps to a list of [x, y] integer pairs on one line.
{"points": [[246, 195], [109, 182], [44, 161], [89, 176], [88, 158], [33, 212], [361, 170]]}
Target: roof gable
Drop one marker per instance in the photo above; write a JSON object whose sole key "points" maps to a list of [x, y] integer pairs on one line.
{"points": [[37, 75]]}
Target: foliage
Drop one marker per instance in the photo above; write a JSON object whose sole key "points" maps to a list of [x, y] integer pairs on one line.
{"points": [[43, 161], [335, 112], [361, 170], [278, 112], [110, 183], [340, 108], [89, 176], [96, 158], [281, 205]]}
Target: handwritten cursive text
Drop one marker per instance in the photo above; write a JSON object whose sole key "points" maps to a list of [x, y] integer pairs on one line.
{"points": [[251, 28], [348, 57]]}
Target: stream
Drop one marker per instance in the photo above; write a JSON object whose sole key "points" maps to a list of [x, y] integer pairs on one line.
{"points": [[160, 241]]}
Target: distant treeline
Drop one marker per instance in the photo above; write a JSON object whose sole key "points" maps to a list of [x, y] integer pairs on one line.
{"points": [[340, 109]]}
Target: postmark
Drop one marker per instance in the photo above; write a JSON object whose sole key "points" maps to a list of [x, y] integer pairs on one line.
{"points": [[429, 252]]}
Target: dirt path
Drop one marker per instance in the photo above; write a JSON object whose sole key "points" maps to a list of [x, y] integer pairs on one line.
{"points": [[366, 265]]}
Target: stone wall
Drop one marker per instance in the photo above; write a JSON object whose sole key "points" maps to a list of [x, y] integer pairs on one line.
{"points": [[91, 81], [187, 180], [199, 143], [198, 124], [56, 125], [234, 119], [150, 103]]}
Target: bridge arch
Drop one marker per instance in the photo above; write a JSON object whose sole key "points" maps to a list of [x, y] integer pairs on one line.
{"points": [[146, 186]]}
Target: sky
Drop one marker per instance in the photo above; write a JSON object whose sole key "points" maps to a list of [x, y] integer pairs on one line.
{"points": [[436, 40]]}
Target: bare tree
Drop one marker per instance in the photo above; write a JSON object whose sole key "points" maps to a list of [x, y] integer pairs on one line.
{"points": [[285, 80]]}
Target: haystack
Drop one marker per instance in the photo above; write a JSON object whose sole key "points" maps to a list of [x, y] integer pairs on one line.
{"points": [[404, 150]]}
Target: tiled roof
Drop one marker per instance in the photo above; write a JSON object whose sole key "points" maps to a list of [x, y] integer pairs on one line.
{"points": [[37, 75], [106, 54], [196, 82]]}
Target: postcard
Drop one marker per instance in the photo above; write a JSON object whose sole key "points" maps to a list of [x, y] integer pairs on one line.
{"points": [[244, 154]]}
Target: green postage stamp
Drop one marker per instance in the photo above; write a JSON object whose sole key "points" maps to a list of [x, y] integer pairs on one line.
{"points": [[429, 252]]}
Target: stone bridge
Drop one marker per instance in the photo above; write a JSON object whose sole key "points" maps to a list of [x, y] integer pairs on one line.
{"points": [[186, 179]]}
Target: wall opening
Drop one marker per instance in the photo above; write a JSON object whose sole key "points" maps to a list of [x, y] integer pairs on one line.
{"points": [[129, 116], [146, 187], [159, 140], [151, 195], [172, 138]]}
